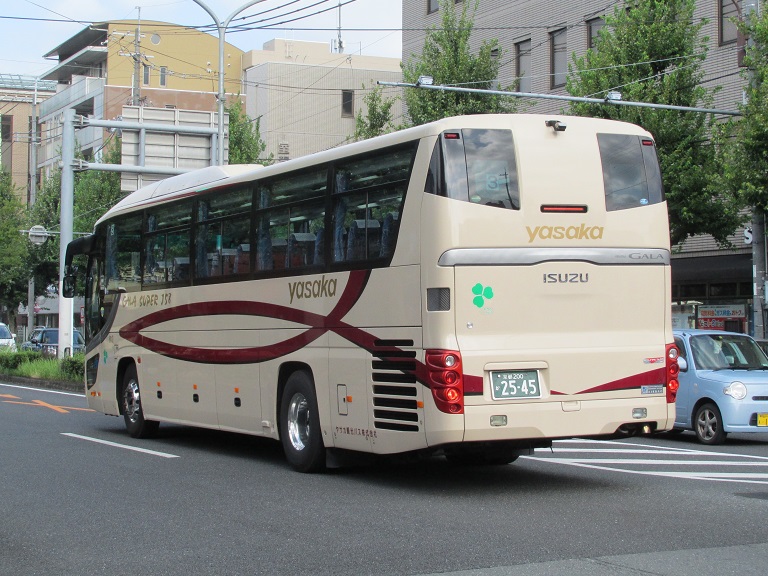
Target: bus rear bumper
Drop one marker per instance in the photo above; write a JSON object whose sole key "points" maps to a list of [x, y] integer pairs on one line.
{"points": [[554, 419]]}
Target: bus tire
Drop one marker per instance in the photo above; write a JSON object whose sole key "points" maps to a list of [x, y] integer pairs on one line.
{"points": [[300, 432], [133, 413], [708, 424]]}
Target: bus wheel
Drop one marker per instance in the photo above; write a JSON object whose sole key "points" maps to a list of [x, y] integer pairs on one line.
{"points": [[133, 414], [300, 424], [708, 425]]}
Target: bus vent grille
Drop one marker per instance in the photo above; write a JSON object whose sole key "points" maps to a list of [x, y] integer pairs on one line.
{"points": [[395, 408], [395, 395]]}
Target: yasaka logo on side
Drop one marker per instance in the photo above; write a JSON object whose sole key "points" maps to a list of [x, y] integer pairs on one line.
{"points": [[582, 232]]}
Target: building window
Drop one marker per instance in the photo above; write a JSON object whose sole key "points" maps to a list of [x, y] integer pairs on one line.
{"points": [[523, 62], [163, 76], [729, 9], [348, 103], [593, 27], [6, 137], [434, 5], [558, 58], [146, 75]]}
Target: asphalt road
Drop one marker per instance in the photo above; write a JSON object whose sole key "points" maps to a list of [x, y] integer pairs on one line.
{"points": [[81, 497]]}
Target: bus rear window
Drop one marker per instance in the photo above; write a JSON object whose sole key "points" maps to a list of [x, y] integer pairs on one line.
{"points": [[475, 165], [630, 171]]}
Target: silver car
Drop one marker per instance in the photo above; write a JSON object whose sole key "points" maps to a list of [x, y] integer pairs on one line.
{"points": [[7, 339]]}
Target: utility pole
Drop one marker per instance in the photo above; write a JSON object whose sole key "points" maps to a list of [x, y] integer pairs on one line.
{"points": [[32, 199], [758, 226], [136, 70]]}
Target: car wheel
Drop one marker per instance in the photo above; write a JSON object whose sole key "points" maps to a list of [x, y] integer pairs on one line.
{"points": [[708, 425], [300, 432], [133, 414]]}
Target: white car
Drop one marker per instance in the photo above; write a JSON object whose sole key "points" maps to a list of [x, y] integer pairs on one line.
{"points": [[7, 339]]}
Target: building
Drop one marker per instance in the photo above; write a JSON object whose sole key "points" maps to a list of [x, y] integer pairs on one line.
{"points": [[307, 97], [127, 62], [538, 38], [19, 96]]}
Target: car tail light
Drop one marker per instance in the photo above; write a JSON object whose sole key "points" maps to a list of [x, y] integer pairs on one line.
{"points": [[446, 380], [672, 371]]}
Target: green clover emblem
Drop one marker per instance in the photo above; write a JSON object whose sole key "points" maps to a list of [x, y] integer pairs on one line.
{"points": [[482, 293]]}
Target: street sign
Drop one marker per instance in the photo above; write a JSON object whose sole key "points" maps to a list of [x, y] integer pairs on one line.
{"points": [[38, 235]]}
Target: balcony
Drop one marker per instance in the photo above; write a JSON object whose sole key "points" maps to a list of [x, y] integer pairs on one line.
{"points": [[82, 90]]}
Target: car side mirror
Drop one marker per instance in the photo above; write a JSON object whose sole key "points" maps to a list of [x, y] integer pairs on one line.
{"points": [[68, 286], [683, 364]]}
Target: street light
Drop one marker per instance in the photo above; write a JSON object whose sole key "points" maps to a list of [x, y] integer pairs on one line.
{"points": [[222, 28]]}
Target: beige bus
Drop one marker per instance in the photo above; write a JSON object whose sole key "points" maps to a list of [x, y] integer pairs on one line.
{"points": [[475, 287]]}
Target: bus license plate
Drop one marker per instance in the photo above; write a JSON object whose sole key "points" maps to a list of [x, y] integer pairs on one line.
{"points": [[515, 384], [762, 419]]}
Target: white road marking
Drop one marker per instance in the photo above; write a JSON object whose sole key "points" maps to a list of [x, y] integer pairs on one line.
{"points": [[42, 390], [596, 454], [116, 445]]}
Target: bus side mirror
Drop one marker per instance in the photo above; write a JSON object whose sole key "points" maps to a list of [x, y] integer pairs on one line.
{"points": [[68, 286], [682, 364]]}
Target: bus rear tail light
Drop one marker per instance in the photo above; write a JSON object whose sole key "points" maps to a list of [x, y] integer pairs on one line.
{"points": [[673, 369], [446, 380]]}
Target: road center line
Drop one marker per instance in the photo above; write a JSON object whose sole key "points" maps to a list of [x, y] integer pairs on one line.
{"points": [[115, 445]]}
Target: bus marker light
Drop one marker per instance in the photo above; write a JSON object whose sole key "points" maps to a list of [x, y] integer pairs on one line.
{"points": [[419, 404], [349, 399], [500, 420]]}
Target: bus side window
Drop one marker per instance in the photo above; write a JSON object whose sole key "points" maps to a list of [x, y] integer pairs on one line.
{"points": [[339, 231], [389, 234]]}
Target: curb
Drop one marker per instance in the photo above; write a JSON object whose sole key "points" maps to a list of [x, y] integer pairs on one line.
{"points": [[62, 385]]}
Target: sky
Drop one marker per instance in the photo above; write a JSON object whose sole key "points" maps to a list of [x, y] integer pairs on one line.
{"points": [[31, 28]]}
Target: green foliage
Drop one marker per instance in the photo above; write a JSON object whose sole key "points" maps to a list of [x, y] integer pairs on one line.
{"points": [[245, 143], [448, 58], [13, 255], [33, 365], [96, 191], [653, 53], [378, 117], [44, 260], [747, 139], [73, 367], [10, 361]]}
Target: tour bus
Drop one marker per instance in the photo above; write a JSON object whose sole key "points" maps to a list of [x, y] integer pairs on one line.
{"points": [[470, 288]]}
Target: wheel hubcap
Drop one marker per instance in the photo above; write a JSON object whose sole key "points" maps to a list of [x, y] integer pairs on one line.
{"points": [[131, 401], [298, 422], [707, 425]]}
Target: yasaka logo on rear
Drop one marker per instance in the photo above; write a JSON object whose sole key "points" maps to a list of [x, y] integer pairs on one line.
{"points": [[582, 232]]}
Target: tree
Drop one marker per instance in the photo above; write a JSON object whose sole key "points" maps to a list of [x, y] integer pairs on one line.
{"points": [[652, 53], [448, 59], [245, 143], [747, 145], [96, 191], [43, 260], [378, 117], [13, 256]]}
